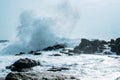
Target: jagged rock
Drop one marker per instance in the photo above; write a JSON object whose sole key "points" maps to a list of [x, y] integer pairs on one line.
{"points": [[54, 69], [55, 47], [87, 46], [38, 76], [23, 65], [115, 46]]}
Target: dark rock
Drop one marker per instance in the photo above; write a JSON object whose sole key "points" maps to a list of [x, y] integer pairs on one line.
{"points": [[20, 76], [21, 53], [48, 48], [55, 47], [87, 46], [34, 53], [23, 65], [115, 46], [54, 69], [37, 53], [38, 76], [31, 52]]}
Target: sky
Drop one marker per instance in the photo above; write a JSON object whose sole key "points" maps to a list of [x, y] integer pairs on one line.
{"points": [[98, 18]]}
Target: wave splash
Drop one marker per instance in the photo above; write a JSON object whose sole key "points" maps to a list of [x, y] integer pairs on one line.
{"points": [[36, 33]]}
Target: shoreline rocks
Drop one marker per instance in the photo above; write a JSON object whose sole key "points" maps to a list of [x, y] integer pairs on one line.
{"points": [[98, 46], [39, 76], [23, 65], [87, 46]]}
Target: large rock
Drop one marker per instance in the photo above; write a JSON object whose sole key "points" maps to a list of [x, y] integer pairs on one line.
{"points": [[115, 46], [55, 47], [87, 46], [38, 76], [23, 64]]}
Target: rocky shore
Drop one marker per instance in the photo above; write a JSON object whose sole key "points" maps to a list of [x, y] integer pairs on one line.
{"points": [[22, 69]]}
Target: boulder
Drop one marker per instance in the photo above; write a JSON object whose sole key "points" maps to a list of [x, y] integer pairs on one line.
{"points": [[23, 65], [87, 46], [39, 76], [115, 46]]}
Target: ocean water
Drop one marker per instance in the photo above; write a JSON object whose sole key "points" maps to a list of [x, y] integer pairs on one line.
{"points": [[83, 66]]}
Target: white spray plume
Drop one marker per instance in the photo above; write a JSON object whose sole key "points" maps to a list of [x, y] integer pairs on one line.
{"points": [[36, 33]]}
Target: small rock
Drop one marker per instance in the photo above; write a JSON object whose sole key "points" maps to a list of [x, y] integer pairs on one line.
{"points": [[54, 69], [21, 53]]}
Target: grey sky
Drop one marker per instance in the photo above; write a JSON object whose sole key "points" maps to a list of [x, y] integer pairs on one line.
{"points": [[98, 18]]}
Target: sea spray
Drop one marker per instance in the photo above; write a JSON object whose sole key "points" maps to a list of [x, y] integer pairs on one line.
{"points": [[36, 32]]}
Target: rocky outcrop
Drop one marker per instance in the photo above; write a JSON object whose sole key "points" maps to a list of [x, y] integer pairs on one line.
{"points": [[22, 65], [55, 47], [115, 46], [87, 46], [38, 76]]}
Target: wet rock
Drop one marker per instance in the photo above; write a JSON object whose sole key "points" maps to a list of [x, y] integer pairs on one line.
{"points": [[38, 76], [115, 46], [31, 52], [90, 47], [54, 69], [23, 65], [35, 53], [55, 47], [21, 76]]}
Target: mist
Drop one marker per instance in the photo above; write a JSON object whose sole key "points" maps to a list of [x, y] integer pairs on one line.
{"points": [[94, 18], [37, 31]]}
